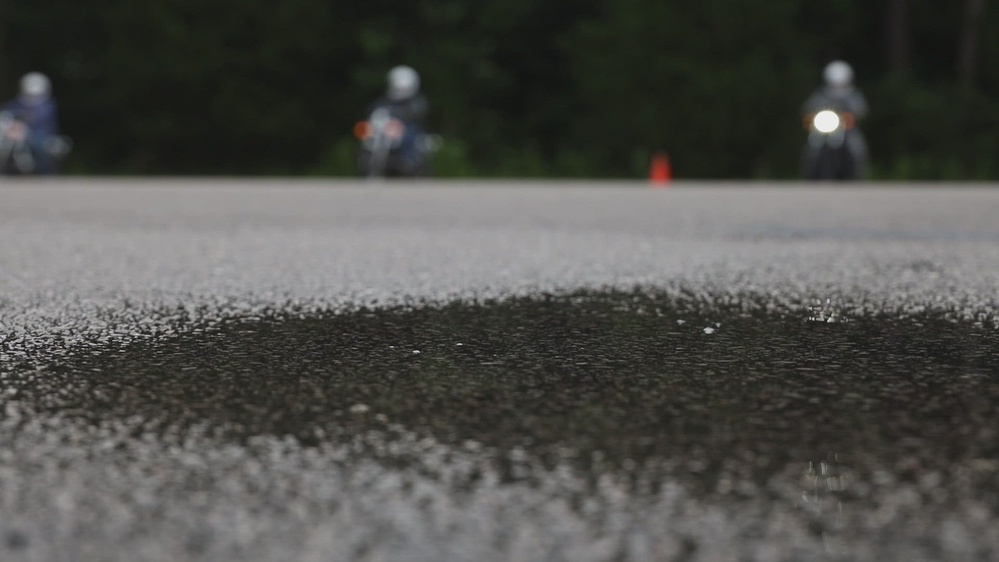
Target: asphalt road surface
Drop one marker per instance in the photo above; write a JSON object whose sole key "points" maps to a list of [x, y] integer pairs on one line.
{"points": [[321, 370]]}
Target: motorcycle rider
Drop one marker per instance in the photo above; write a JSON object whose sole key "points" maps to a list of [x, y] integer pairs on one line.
{"points": [[840, 95], [403, 98], [36, 108]]}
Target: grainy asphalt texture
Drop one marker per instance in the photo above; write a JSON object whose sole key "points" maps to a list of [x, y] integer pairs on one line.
{"points": [[319, 370]]}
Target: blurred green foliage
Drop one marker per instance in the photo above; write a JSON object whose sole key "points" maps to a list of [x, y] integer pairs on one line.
{"points": [[545, 88]]}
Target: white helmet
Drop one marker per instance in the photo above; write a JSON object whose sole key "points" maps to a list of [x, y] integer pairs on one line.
{"points": [[838, 74], [35, 85], [403, 82]]}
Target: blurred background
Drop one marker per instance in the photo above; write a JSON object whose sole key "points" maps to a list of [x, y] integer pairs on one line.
{"points": [[526, 88]]}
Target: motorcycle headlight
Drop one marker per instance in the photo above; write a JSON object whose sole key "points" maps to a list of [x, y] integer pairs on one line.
{"points": [[826, 121], [394, 129], [15, 132]]}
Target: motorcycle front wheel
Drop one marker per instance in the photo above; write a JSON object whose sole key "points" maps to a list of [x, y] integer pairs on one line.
{"points": [[830, 164]]}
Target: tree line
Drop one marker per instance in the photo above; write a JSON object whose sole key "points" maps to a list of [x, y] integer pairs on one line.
{"points": [[578, 88]]}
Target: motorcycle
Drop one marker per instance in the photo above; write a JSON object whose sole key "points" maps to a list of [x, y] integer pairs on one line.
{"points": [[17, 157], [391, 147], [827, 156]]}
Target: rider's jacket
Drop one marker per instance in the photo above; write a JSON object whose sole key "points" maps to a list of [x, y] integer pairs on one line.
{"points": [[848, 99], [39, 116], [410, 110]]}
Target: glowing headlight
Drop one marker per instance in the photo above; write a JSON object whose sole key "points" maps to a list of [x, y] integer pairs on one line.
{"points": [[394, 129], [826, 121]]}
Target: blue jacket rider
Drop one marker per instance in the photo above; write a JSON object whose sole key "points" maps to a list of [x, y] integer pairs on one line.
{"points": [[36, 108], [407, 104]]}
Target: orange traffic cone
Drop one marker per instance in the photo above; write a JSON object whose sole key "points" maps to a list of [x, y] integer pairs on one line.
{"points": [[660, 172]]}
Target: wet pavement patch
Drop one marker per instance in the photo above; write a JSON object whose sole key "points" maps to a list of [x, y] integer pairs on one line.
{"points": [[627, 378]]}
